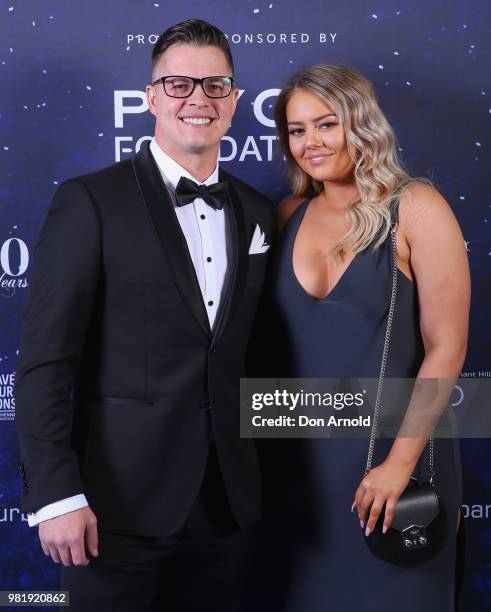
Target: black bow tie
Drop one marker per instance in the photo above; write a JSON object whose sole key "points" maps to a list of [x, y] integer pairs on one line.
{"points": [[214, 195]]}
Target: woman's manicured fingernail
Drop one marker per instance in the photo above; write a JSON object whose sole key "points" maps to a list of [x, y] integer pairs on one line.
{"points": [[353, 506], [362, 524], [367, 532], [384, 529]]}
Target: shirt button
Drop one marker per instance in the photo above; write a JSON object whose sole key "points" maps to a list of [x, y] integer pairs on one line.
{"points": [[208, 259], [202, 217], [210, 303]]}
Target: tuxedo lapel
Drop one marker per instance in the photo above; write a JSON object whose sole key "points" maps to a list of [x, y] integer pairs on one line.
{"points": [[240, 261], [172, 240]]}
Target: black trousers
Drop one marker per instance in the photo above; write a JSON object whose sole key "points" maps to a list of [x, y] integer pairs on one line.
{"points": [[199, 568]]}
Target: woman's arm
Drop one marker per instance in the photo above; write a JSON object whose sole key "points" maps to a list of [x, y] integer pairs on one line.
{"points": [[437, 258]]}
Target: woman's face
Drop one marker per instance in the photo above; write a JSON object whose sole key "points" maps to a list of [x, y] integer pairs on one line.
{"points": [[316, 138]]}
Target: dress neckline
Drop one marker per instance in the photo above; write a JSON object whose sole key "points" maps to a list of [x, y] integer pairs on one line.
{"points": [[303, 208], [298, 216]]}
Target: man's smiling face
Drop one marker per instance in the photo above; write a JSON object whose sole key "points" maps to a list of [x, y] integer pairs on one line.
{"points": [[189, 127]]}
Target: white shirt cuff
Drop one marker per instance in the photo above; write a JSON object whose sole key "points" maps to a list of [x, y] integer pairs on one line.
{"points": [[69, 504]]}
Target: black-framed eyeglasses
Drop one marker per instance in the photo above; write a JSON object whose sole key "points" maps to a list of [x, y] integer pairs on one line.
{"points": [[183, 86]]}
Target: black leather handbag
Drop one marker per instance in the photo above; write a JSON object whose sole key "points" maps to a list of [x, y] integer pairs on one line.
{"points": [[419, 527]]}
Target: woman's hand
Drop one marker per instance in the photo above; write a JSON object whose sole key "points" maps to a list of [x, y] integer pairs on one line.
{"points": [[384, 484]]}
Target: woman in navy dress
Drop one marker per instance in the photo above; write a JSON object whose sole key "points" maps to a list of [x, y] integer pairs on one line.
{"points": [[330, 289]]}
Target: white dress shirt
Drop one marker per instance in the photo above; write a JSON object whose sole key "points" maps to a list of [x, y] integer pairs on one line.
{"points": [[205, 230], [209, 244]]}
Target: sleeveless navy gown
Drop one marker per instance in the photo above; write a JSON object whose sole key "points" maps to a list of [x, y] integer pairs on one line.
{"points": [[312, 557]]}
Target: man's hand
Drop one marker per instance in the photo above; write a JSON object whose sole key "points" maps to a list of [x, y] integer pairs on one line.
{"points": [[66, 537]]}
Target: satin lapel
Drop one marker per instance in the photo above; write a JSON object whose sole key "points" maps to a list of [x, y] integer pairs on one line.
{"points": [[166, 225], [240, 262]]}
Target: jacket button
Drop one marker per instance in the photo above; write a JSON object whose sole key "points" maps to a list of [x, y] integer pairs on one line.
{"points": [[205, 405]]}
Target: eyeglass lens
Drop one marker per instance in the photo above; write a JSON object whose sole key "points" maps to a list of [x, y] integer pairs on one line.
{"points": [[181, 87]]}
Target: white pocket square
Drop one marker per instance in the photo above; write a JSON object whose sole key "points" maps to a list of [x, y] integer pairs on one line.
{"points": [[258, 243]]}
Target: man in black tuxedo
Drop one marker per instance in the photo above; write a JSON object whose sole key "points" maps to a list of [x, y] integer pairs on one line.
{"points": [[145, 283]]}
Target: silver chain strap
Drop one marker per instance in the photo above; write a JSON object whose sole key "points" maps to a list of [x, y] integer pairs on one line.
{"points": [[383, 365]]}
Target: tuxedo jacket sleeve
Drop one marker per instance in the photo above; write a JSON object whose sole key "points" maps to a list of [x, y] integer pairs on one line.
{"points": [[55, 324]]}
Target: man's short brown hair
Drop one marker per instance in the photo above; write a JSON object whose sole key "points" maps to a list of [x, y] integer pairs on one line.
{"points": [[192, 32]]}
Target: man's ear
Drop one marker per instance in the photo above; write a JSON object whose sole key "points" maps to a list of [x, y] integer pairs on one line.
{"points": [[151, 99], [235, 95]]}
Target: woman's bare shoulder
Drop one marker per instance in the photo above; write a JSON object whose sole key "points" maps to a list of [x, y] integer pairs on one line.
{"points": [[420, 203], [286, 208]]}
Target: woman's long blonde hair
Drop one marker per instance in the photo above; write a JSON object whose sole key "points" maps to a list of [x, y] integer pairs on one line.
{"points": [[371, 144]]}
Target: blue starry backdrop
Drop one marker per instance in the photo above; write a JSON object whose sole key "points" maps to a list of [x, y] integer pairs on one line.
{"points": [[71, 101]]}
